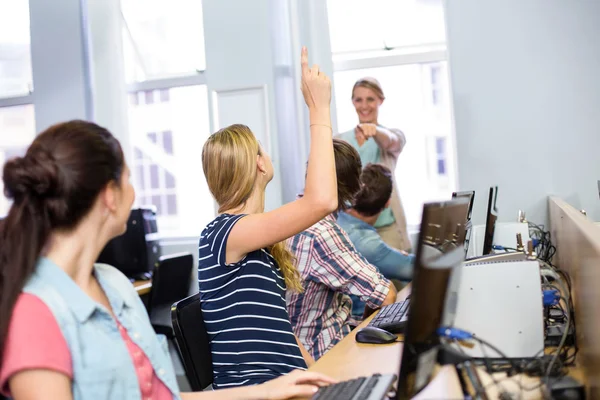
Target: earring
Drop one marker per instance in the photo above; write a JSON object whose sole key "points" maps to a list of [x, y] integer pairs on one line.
{"points": [[264, 173]]}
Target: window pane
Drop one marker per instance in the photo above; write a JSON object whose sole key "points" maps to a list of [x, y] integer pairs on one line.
{"points": [[164, 95], [408, 106], [162, 38], [440, 147], [182, 124], [149, 97], [139, 177], [17, 131], [358, 25], [441, 167], [437, 90], [172, 204], [169, 181], [154, 184], [157, 202], [15, 49], [168, 141], [152, 137]]}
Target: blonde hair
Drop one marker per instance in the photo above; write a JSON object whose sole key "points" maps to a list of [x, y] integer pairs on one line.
{"points": [[229, 164], [369, 83]]}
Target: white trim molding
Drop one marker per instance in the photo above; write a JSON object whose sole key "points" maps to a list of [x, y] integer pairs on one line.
{"points": [[388, 58], [167, 83], [16, 101]]}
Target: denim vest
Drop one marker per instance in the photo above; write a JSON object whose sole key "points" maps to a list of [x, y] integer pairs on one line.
{"points": [[102, 365]]}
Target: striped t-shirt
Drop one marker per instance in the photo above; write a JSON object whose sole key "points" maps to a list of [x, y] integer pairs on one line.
{"points": [[243, 306]]}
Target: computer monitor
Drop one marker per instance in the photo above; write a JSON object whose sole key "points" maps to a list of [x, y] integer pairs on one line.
{"points": [[470, 196], [439, 253], [490, 221], [136, 251]]}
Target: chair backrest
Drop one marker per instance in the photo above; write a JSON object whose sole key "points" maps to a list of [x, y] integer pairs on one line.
{"points": [[170, 282], [193, 342]]}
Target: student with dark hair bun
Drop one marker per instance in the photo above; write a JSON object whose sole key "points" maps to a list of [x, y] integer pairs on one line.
{"points": [[358, 221], [71, 328]]}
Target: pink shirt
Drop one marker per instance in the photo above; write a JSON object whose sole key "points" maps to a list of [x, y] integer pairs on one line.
{"points": [[35, 341]]}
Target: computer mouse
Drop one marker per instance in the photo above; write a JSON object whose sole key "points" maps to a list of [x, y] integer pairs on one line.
{"points": [[371, 334]]}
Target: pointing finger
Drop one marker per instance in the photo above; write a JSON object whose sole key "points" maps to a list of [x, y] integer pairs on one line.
{"points": [[304, 60]]}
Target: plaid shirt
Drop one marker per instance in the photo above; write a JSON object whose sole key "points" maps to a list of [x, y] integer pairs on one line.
{"points": [[331, 268]]}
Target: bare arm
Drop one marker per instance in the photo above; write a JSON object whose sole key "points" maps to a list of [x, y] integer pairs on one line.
{"points": [[256, 231], [40, 384], [307, 357], [295, 384]]}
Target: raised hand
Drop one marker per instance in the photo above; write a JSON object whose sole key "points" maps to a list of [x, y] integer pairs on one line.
{"points": [[316, 86], [295, 384]]}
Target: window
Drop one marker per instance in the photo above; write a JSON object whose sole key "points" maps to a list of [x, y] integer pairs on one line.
{"points": [[440, 153], [15, 53], [162, 39], [435, 72], [156, 185], [17, 125], [404, 48], [17, 120], [168, 111], [167, 139]]}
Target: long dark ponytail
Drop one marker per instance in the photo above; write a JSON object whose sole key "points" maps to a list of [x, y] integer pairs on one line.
{"points": [[52, 187]]}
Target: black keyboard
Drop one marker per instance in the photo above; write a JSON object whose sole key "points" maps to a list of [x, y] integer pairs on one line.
{"points": [[392, 318], [374, 387]]}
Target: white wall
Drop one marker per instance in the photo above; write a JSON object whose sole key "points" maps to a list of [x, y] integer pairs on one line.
{"points": [[60, 43], [240, 73], [526, 87]]}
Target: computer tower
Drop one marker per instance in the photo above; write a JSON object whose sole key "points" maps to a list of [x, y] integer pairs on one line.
{"points": [[136, 252], [500, 302]]}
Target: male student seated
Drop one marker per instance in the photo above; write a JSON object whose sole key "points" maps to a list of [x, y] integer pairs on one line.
{"points": [[358, 221], [331, 269]]}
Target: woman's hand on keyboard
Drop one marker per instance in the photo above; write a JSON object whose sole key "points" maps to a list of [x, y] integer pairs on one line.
{"points": [[295, 384]]}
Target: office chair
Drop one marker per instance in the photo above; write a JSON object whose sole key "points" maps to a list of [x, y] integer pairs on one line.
{"points": [[193, 342], [170, 283]]}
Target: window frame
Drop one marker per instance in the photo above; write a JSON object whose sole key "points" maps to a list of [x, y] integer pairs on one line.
{"points": [[16, 100], [425, 54]]}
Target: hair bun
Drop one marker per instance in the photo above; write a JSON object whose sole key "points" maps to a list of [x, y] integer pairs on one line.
{"points": [[35, 174]]}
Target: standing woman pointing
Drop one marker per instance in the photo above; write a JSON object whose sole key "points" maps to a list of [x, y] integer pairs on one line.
{"points": [[379, 145]]}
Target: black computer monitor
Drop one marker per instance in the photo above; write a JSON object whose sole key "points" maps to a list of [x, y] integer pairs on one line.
{"points": [[136, 252], [470, 196], [490, 221], [438, 255]]}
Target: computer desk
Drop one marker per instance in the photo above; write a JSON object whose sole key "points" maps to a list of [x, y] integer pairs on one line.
{"points": [[349, 359], [142, 287]]}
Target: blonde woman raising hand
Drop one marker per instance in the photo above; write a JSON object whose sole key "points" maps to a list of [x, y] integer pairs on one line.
{"points": [[244, 268]]}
